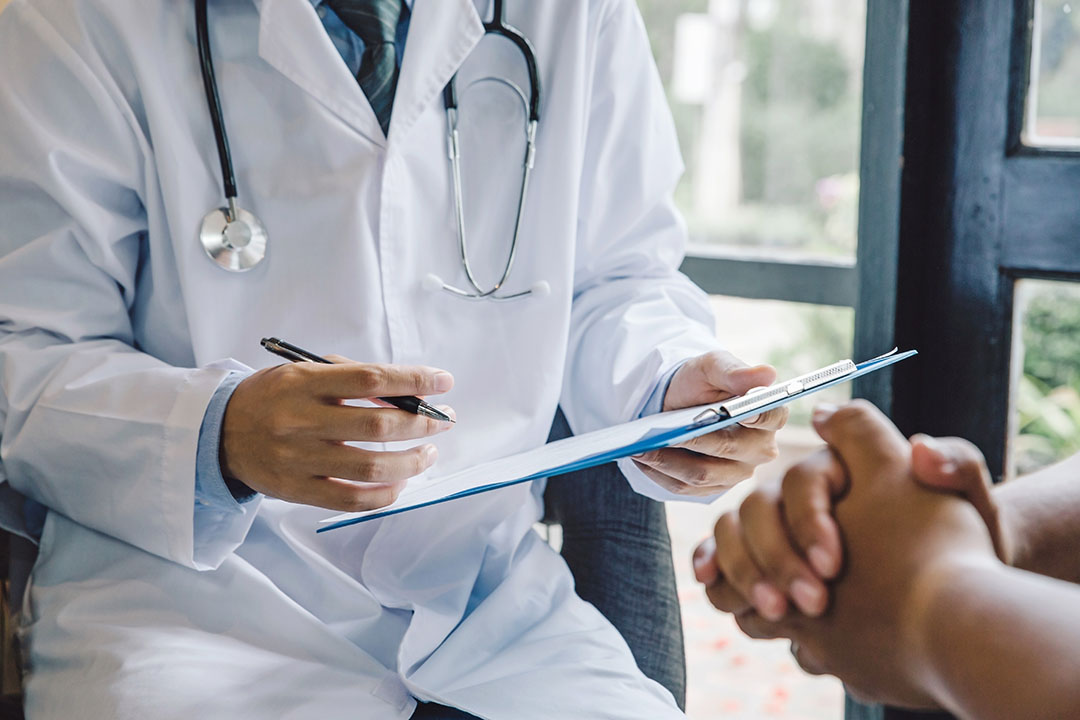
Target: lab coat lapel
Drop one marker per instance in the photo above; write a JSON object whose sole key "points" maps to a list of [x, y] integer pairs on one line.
{"points": [[442, 33], [293, 41]]}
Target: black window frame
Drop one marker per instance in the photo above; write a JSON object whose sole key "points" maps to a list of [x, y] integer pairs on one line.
{"points": [[977, 210]]}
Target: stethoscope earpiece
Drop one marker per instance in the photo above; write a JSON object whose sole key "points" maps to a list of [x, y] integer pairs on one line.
{"points": [[540, 289], [432, 283]]}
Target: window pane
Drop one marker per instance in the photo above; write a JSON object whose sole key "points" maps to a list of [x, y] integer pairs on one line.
{"points": [[793, 337], [767, 97], [1045, 420], [729, 675], [1053, 103]]}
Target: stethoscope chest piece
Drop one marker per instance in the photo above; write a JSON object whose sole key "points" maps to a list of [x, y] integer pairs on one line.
{"points": [[236, 245]]}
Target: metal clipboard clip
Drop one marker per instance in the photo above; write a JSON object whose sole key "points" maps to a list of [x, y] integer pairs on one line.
{"points": [[762, 396]]}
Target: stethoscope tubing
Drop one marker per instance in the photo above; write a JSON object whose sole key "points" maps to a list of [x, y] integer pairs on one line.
{"points": [[498, 26], [213, 100], [532, 104], [218, 224]]}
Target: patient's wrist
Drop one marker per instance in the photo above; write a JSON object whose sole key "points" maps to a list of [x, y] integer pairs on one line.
{"points": [[940, 592]]}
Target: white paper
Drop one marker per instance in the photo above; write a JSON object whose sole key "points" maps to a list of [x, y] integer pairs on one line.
{"points": [[662, 429], [537, 461]]}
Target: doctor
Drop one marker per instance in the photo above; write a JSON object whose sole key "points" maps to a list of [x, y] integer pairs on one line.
{"points": [[174, 491]]}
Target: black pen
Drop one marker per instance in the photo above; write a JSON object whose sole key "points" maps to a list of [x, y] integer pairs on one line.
{"points": [[409, 403]]}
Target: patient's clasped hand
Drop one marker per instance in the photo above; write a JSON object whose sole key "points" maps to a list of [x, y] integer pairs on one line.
{"points": [[886, 562]]}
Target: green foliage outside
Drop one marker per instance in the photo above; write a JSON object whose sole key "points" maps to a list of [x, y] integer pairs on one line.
{"points": [[799, 120], [1048, 396], [797, 116]]}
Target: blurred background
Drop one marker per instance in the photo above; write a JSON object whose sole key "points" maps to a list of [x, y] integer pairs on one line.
{"points": [[768, 99]]}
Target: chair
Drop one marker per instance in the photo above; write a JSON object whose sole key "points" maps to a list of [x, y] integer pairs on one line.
{"points": [[10, 671], [615, 541]]}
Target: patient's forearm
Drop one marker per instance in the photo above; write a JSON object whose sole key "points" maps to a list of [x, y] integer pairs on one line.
{"points": [[1043, 510], [1002, 643]]}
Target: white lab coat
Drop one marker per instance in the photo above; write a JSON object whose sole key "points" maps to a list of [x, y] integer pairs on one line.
{"points": [[111, 318]]}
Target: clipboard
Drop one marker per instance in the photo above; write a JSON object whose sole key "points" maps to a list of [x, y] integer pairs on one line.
{"points": [[604, 446]]}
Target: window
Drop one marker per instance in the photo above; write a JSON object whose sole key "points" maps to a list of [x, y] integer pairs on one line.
{"points": [[985, 225], [767, 99], [729, 675], [1052, 117], [1045, 415]]}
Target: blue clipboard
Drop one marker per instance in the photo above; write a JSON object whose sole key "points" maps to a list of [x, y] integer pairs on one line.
{"points": [[714, 418]]}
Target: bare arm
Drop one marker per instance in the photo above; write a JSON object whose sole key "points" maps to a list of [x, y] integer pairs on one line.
{"points": [[1042, 512], [1001, 643]]}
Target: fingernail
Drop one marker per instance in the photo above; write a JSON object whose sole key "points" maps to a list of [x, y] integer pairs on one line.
{"points": [[701, 558], [820, 560], [823, 412], [704, 570], [754, 369], [807, 596], [939, 455], [431, 454], [933, 446], [768, 601], [444, 381], [448, 410]]}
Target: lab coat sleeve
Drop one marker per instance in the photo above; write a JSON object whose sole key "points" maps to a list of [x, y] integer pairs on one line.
{"points": [[91, 427], [634, 317]]}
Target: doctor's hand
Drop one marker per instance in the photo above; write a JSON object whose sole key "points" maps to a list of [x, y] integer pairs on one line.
{"points": [[715, 462], [286, 428]]}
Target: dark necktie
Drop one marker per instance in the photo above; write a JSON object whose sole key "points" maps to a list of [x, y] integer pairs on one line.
{"points": [[376, 22]]}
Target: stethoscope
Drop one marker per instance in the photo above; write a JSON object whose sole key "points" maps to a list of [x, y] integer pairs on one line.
{"points": [[236, 239]]}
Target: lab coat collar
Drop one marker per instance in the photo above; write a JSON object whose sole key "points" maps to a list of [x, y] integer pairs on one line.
{"points": [[293, 41], [442, 33]]}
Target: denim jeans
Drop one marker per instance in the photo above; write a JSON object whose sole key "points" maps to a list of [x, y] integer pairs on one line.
{"points": [[617, 545]]}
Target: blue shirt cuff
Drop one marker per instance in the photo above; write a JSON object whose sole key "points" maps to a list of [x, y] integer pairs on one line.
{"points": [[655, 403], [212, 491]]}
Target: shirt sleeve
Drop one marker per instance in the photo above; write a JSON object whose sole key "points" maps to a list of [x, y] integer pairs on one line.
{"points": [[212, 492], [223, 511], [635, 318], [655, 402]]}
